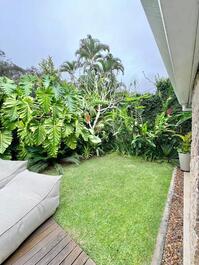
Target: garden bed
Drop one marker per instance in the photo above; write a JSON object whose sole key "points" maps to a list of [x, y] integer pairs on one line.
{"points": [[173, 249]]}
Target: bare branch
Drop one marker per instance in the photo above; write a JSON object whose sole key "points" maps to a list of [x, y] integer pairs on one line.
{"points": [[97, 116], [147, 78]]}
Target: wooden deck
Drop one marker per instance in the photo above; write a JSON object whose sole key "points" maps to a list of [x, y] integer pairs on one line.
{"points": [[49, 244]]}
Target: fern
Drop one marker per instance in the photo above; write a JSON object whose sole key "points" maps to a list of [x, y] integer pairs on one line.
{"points": [[59, 169], [74, 159], [38, 166]]}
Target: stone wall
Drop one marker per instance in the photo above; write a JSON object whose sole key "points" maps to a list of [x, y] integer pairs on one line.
{"points": [[194, 208]]}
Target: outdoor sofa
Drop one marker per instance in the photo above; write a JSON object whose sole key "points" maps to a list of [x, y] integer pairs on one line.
{"points": [[27, 199], [9, 169]]}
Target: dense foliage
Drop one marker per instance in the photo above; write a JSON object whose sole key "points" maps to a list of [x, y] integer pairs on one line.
{"points": [[147, 124], [46, 119], [41, 119]]}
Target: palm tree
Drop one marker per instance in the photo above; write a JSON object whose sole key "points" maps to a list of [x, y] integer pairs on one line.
{"points": [[70, 68], [109, 67], [110, 64], [90, 51]]}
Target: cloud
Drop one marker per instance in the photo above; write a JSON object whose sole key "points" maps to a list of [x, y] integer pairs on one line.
{"points": [[34, 29]]}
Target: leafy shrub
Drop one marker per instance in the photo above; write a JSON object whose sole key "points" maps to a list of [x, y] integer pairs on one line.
{"points": [[45, 116], [153, 138], [185, 145], [45, 119]]}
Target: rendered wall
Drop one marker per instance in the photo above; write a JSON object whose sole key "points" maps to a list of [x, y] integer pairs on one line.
{"points": [[194, 210]]}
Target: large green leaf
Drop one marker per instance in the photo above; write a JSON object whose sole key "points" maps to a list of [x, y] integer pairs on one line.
{"points": [[5, 140], [72, 142], [46, 81], [7, 85], [58, 110], [25, 133], [78, 128], [85, 134], [9, 112], [25, 108], [67, 130], [26, 84], [6, 155], [39, 134], [94, 139], [70, 99], [44, 97], [57, 90], [22, 151], [53, 130]]}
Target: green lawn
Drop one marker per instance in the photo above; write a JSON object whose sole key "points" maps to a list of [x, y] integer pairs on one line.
{"points": [[112, 206]]}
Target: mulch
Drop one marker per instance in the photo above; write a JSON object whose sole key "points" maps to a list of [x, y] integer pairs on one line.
{"points": [[173, 249]]}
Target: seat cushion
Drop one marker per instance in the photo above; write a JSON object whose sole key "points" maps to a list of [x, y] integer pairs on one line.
{"points": [[25, 203], [9, 169]]}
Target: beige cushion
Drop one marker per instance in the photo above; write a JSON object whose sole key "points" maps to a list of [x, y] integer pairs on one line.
{"points": [[9, 169], [25, 203]]}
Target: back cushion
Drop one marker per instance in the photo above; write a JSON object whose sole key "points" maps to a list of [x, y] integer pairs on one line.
{"points": [[9, 169]]}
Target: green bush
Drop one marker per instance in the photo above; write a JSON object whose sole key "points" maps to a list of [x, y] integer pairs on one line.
{"points": [[185, 145], [41, 118], [45, 120], [147, 124]]}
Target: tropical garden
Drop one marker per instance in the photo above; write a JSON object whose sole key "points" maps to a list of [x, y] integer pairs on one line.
{"points": [[55, 116]]}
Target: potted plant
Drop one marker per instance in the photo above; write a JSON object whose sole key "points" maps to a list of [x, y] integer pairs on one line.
{"points": [[184, 151]]}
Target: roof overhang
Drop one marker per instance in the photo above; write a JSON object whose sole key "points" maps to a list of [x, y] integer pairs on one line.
{"points": [[175, 26]]}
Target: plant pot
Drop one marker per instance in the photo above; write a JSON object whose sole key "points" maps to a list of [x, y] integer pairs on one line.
{"points": [[184, 161]]}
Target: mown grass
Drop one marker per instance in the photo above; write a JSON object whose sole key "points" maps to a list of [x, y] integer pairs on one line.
{"points": [[113, 205]]}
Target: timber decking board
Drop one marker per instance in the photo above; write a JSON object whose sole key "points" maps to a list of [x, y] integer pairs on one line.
{"points": [[32, 240], [72, 256], [45, 247], [51, 245], [89, 262], [81, 260]]}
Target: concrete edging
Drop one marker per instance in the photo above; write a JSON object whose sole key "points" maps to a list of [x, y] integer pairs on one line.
{"points": [[159, 247]]}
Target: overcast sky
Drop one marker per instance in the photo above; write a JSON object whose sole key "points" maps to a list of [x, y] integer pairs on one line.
{"points": [[34, 29]]}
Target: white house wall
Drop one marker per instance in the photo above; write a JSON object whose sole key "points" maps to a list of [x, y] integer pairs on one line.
{"points": [[175, 26]]}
